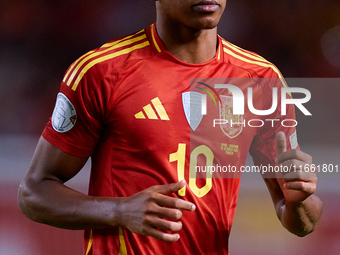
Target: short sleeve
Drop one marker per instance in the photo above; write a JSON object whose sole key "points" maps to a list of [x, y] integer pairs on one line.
{"points": [[78, 116]]}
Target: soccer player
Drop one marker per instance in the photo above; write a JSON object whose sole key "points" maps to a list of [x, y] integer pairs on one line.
{"points": [[125, 106]]}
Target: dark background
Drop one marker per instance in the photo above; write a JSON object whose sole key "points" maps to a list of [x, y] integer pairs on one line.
{"points": [[39, 39]]}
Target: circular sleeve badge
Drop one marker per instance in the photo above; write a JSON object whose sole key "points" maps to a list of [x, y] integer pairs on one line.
{"points": [[64, 115]]}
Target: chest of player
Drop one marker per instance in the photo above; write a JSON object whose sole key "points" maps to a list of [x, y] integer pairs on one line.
{"points": [[157, 108]]}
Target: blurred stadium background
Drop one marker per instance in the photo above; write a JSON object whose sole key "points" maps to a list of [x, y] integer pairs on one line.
{"points": [[39, 39]]}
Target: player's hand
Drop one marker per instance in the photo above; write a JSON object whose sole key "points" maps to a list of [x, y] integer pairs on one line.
{"points": [[300, 182], [146, 212]]}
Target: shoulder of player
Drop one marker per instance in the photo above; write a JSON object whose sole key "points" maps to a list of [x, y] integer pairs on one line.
{"points": [[249, 60], [111, 55]]}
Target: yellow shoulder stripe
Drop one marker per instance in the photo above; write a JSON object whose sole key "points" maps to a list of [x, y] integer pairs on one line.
{"points": [[109, 44], [75, 63], [112, 45], [239, 50], [93, 55], [104, 58], [268, 64]]}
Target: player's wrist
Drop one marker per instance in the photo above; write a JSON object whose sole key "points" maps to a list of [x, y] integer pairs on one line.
{"points": [[107, 211], [118, 212]]}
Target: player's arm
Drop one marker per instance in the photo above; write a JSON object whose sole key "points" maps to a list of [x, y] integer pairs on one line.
{"points": [[44, 198], [297, 207]]}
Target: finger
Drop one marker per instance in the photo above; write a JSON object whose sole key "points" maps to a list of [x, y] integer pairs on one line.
{"points": [[297, 169], [295, 165], [280, 143], [299, 176], [166, 237], [173, 202], [295, 155], [166, 224], [165, 212], [169, 188], [168, 213], [306, 187]]}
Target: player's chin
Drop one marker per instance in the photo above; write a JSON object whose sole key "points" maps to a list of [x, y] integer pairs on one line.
{"points": [[207, 20], [204, 23]]}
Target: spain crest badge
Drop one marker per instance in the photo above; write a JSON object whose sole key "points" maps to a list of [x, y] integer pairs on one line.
{"points": [[234, 125]]}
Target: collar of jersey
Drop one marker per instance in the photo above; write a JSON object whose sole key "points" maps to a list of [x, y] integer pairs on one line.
{"points": [[158, 47]]}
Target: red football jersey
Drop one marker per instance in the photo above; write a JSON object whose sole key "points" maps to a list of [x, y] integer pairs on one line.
{"points": [[130, 106]]}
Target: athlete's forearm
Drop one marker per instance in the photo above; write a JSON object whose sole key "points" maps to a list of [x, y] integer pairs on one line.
{"points": [[301, 218], [51, 202]]}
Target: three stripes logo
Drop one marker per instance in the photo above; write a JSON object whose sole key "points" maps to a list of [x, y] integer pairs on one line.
{"points": [[153, 111]]}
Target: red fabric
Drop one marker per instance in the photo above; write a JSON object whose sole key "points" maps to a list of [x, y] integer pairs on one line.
{"points": [[131, 154]]}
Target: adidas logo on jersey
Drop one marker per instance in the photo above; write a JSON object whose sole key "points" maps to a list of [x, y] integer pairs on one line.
{"points": [[150, 111]]}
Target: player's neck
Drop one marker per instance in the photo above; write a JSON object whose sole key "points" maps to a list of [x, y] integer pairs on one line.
{"points": [[188, 45]]}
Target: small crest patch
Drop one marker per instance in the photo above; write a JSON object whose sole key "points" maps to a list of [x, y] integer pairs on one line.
{"points": [[64, 115], [192, 105], [234, 126]]}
